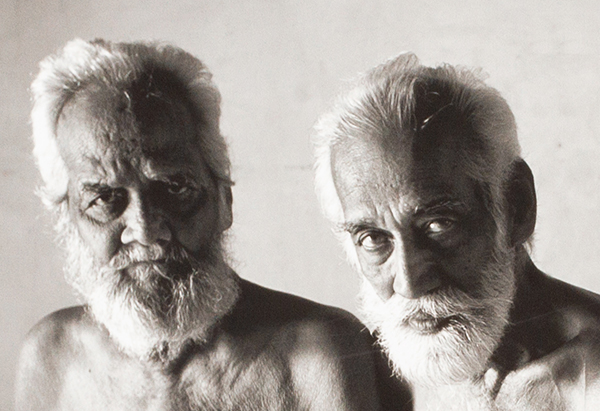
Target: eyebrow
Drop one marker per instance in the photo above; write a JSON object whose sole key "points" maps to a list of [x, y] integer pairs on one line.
{"points": [[441, 205], [94, 187], [355, 226], [437, 206]]}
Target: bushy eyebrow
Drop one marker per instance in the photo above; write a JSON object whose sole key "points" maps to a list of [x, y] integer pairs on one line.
{"points": [[437, 206], [355, 226], [95, 187], [440, 206], [187, 178]]}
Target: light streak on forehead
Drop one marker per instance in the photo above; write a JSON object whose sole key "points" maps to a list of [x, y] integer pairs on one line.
{"points": [[115, 170], [374, 218]]}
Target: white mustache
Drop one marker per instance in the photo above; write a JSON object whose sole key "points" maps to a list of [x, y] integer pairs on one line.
{"points": [[136, 253], [444, 303]]}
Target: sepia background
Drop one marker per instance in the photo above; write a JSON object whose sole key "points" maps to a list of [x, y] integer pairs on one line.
{"points": [[279, 64]]}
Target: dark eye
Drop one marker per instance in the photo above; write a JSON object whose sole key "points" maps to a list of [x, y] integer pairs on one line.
{"points": [[177, 188], [106, 204], [107, 198], [374, 241], [178, 195], [439, 226]]}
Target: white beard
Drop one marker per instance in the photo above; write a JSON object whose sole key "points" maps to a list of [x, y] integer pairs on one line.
{"points": [[460, 350], [147, 311]]}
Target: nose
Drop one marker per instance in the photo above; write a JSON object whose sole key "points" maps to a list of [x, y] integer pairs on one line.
{"points": [[416, 275], [143, 225]]}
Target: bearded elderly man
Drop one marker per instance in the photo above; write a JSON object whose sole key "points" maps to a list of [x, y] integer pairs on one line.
{"points": [[420, 169], [128, 145]]}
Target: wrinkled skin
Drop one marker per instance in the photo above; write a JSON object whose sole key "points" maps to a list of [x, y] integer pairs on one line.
{"points": [[272, 351], [549, 358], [419, 225]]}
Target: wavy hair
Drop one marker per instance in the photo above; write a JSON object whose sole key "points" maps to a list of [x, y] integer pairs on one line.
{"points": [[117, 68], [397, 99]]}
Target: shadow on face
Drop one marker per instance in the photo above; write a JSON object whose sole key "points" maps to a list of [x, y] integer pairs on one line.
{"points": [[416, 219], [136, 173]]}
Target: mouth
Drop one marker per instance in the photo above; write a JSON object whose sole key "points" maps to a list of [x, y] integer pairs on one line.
{"points": [[139, 268], [427, 324], [147, 263]]}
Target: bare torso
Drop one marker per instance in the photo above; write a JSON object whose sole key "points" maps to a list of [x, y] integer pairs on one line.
{"points": [[274, 352], [549, 359]]}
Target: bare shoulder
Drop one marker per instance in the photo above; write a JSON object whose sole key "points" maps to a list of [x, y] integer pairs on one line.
{"points": [[563, 324], [331, 357], [289, 316], [49, 347], [52, 335], [299, 328], [568, 378], [560, 340], [56, 333]]}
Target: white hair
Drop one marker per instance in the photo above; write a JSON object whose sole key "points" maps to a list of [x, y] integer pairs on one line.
{"points": [[148, 312], [384, 103], [461, 350], [116, 67]]}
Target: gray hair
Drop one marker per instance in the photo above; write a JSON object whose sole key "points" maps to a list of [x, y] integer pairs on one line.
{"points": [[117, 67], [387, 102]]}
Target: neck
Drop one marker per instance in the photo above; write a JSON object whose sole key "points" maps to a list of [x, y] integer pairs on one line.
{"points": [[528, 319], [528, 301]]}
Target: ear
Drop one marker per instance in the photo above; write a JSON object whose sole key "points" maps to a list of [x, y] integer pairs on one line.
{"points": [[521, 203], [225, 207]]}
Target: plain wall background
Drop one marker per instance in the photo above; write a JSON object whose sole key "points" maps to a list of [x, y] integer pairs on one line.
{"points": [[279, 64]]}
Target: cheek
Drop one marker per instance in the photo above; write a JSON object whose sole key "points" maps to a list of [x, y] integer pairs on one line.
{"points": [[103, 241], [468, 264], [381, 277], [197, 231]]}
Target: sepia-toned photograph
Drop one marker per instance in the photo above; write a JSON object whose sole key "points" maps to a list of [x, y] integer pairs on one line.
{"points": [[300, 206]]}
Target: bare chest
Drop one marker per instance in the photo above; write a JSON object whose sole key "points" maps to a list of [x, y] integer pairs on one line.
{"points": [[460, 397], [203, 383]]}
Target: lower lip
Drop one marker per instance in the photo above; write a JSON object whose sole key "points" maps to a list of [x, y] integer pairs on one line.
{"points": [[428, 325], [149, 262], [140, 264]]}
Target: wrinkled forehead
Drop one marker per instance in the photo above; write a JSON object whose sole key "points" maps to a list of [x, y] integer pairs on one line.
{"points": [[374, 169], [106, 124], [368, 164]]}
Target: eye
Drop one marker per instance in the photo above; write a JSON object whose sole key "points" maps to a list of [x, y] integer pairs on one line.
{"points": [[439, 226], [106, 198], [106, 204], [374, 241], [177, 194], [178, 185], [177, 188]]}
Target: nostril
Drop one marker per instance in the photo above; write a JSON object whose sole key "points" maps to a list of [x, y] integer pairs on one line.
{"points": [[163, 232], [146, 232]]}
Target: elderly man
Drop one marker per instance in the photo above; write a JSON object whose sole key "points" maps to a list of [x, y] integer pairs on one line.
{"points": [[420, 169], [128, 145]]}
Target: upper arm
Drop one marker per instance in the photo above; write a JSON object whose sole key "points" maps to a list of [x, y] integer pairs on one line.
{"points": [[323, 372], [42, 362], [334, 366], [36, 378], [394, 394], [565, 379]]}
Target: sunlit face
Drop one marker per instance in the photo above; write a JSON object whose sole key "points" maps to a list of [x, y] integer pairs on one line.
{"points": [[146, 222], [438, 278]]}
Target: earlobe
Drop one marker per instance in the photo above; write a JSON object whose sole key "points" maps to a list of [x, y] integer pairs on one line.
{"points": [[225, 207], [521, 203]]}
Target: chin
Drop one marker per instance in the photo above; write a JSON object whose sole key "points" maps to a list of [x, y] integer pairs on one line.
{"points": [[440, 339], [152, 310]]}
